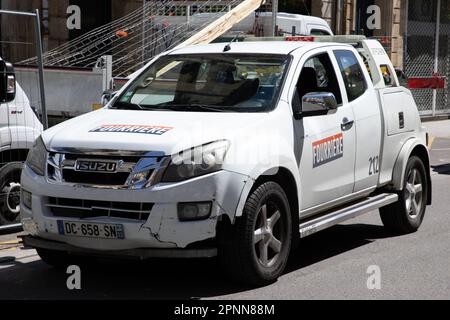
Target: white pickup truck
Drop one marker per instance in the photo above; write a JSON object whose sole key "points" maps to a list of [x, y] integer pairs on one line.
{"points": [[231, 150]]}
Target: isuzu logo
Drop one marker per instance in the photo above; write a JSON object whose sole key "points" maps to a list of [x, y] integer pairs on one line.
{"points": [[97, 166]]}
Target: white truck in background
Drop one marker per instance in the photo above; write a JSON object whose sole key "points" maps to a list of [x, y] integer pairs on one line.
{"points": [[234, 150], [288, 23], [19, 128]]}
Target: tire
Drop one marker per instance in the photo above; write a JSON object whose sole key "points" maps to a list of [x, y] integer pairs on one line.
{"points": [[61, 259], [10, 193], [261, 239], [406, 215], [57, 259]]}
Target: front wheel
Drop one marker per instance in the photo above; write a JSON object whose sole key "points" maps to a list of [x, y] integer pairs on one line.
{"points": [[406, 215], [261, 239], [61, 259], [57, 259]]}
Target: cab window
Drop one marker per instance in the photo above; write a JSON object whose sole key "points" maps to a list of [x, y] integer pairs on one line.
{"points": [[318, 32], [387, 76], [318, 75], [355, 82]]}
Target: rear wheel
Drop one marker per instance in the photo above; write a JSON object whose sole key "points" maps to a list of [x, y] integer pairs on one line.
{"points": [[10, 193], [261, 238], [406, 215]]}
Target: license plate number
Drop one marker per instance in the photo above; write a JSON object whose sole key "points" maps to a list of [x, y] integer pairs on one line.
{"points": [[91, 230]]}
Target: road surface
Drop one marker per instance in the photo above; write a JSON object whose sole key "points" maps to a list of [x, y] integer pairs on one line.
{"points": [[333, 264]]}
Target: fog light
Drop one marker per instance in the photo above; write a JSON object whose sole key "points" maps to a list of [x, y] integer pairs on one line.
{"points": [[26, 199], [194, 211]]}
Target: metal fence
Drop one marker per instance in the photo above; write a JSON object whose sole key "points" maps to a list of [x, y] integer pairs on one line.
{"points": [[427, 52]]}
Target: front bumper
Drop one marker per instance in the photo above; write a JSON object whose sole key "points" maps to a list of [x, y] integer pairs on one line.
{"points": [[162, 230], [140, 253]]}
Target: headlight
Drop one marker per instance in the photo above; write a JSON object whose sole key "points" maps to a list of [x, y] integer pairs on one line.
{"points": [[197, 162], [37, 157]]}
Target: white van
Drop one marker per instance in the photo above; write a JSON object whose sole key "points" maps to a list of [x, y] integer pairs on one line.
{"points": [[287, 23], [304, 25], [19, 128]]}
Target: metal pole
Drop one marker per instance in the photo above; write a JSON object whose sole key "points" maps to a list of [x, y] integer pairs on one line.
{"points": [[436, 55], [405, 40], [143, 31], [274, 17], [188, 14], [41, 70], [19, 13], [340, 17]]}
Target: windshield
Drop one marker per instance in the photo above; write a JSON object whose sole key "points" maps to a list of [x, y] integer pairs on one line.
{"points": [[214, 82]]}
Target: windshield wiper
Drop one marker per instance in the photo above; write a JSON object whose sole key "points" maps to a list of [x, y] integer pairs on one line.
{"points": [[167, 107], [121, 105], [193, 107]]}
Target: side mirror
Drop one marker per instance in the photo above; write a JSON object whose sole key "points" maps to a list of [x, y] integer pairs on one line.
{"points": [[317, 104], [7, 82], [107, 96], [402, 78]]}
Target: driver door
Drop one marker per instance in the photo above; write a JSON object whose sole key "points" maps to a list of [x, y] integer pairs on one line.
{"points": [[327, 143]]}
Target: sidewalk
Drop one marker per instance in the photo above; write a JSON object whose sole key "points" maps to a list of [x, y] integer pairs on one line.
{"points": [[438, 129]]}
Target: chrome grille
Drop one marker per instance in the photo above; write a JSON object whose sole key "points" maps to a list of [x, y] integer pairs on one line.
{"points": [[84, 209], [62, 169]]}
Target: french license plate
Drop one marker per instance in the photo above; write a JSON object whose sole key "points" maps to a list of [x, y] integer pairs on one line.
{"points": [[91, 230]]}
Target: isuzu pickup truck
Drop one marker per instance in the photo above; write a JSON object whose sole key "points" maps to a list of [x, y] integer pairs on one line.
{"points": [[233, 150]]}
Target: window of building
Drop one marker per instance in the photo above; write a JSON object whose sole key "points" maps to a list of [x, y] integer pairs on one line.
{"points": [[355, 82]]}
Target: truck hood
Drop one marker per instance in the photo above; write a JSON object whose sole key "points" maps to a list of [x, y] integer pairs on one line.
{"points": [[167, 132]]}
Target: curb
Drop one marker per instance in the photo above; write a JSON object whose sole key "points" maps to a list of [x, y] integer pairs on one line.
{"points": [[435, 118]]}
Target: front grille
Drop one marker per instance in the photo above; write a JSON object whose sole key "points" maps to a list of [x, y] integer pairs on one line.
{"points": [[127, 173], [101, 179], [84, 209], [71, 156]]}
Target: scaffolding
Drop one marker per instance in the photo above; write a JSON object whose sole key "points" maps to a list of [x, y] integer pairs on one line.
{"points": [[139, 36]]}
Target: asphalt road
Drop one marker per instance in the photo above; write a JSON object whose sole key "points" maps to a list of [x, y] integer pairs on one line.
{"points": [[330, 265]]}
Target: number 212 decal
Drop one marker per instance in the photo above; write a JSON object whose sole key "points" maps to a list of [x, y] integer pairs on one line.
{"points": [[374, 165]]}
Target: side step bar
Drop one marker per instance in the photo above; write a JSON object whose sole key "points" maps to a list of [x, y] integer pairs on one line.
{"points": [[354, 210]]}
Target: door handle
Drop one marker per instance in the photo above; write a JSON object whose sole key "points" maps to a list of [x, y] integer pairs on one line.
{"points": [[347, 124]]}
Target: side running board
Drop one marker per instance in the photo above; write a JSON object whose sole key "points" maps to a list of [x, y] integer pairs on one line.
{"points": [[354, 210]]}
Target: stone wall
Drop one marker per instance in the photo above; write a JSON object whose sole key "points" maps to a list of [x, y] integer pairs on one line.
{"points": [[57, 29], [323, 9]]}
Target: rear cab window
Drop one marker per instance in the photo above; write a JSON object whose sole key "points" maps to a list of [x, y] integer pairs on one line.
{"points": [[319, 32], [354, 79], [387, 75]]}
